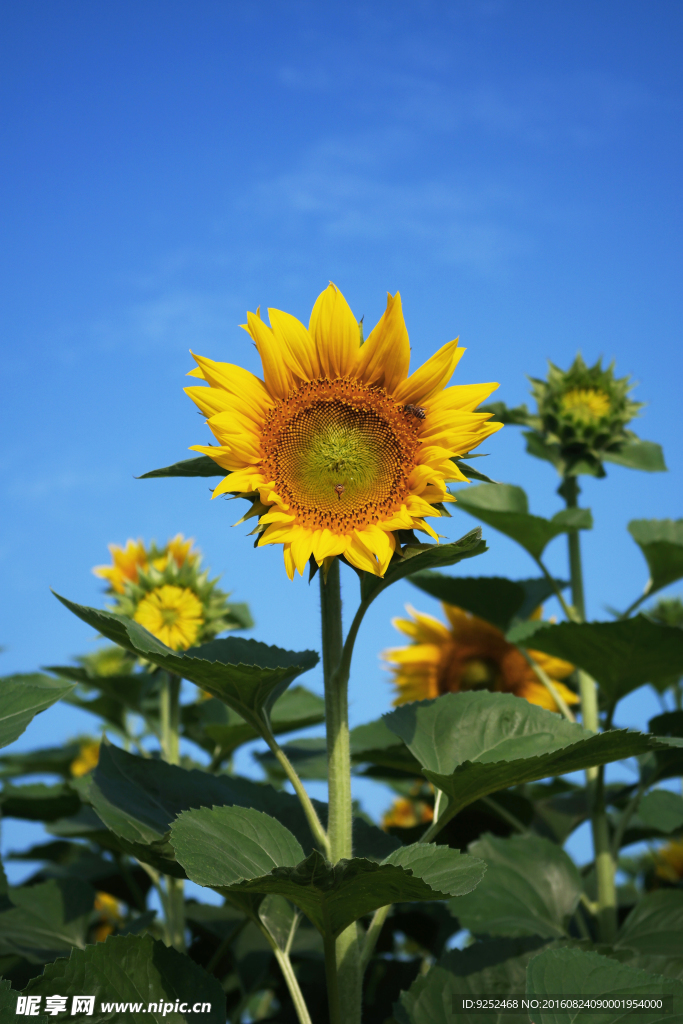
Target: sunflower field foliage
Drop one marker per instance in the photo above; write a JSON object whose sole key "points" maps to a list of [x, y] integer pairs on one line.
{"points": [[492, 755]]}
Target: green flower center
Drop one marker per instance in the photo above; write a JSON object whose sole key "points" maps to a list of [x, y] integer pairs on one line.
{"points": [[586, 405]]}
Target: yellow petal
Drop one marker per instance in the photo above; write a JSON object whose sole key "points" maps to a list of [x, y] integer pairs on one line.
{"points": [[335, 332], [461, 396], [295, 340], [208, 400], [326, 543], [277, 375], [385, 357], [358, 555], [289, 560], [302, 548], [237, 381], [431, 377]]}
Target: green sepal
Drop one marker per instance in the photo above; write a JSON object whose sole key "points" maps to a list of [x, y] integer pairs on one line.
{"points": [[637, 454], [201, 466]]}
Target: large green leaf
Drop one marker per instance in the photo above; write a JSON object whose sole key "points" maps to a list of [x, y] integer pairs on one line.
{"points": [[138, 970], [472, 744], [46, 920], [662, 810], [240, 851], [495, 968], [22, 697], [38, 801], [201, 466], [572, 972], [637, 454], [661, 541], [212, 724], [44, 760], [531, 887], [420, 558], [246, 675], [506, 508], [654, 932], [494, 598], [138, 798], [374, 743], [621, 655]]}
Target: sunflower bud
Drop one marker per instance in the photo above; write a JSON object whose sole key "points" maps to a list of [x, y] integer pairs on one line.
{"points": [[167, 591], [583, 413]]}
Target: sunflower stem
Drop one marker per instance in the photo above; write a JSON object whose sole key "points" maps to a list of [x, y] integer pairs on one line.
{"points": [[169, 724], [347, 960], [316, 828], [605, 867]]}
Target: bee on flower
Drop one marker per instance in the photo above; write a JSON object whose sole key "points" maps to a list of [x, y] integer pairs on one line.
{"points": [[468, 654], [338, 447], [167, 591]]}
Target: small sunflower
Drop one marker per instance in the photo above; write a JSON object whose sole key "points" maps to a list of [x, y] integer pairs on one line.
{"points": [[407, 812], [468, 654], [338, 448], [170, 595], [87, 759], [669, 860], [110, 916]]}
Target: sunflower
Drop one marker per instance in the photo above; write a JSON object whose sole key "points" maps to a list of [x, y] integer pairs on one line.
{"points": [[167, 591], [338, 448], [468, 654], [669, 861], [87, 759], [407, 812], [172, 614], [110, 916]]}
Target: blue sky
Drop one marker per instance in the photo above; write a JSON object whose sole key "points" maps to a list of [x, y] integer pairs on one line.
{"points": [[513, 168]]}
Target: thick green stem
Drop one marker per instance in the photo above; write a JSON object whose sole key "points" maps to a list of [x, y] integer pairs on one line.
{"points": [[169, 722], [347, 967], [605, 867]]}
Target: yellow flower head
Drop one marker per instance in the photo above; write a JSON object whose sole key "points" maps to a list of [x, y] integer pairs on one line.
{"points": [[171, 614], [468, 654], [407, 813], [670, 861], [338, 447], [110, 915], [126, 563], [87, 759]]}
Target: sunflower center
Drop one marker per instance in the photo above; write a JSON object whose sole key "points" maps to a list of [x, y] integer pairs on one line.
{"points": [[340, 453], [588, 405], [477, 673]]}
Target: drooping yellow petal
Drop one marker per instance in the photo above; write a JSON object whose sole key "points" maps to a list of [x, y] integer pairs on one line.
{"points": [[335, 332], [301, 547], [208, 400], [431, 377], [277, 375], [385, 357]]}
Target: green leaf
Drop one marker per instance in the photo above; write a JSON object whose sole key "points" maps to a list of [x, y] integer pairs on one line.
{"points": [[227, 847], [620, 655], [52, 760], [375, 743], [280, 918], [421, 557], [493, 968], [493, 598], [135, 969], [531, 887], [654, 932], [505, 507], [201, 466], [662, 810], [297, 708], [22, 697], [138, 798], [637, 454], [573, 972], [661, 541], [39, 802], [472, 744], [246, 675], [46, 920], [471, 473]]}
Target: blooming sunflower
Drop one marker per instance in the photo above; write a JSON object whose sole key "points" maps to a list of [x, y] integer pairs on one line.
{"points": [[167, 592], [338, 448], [87, 759], [109, 916], [669, 860], [468, 654], [407, 812]]}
